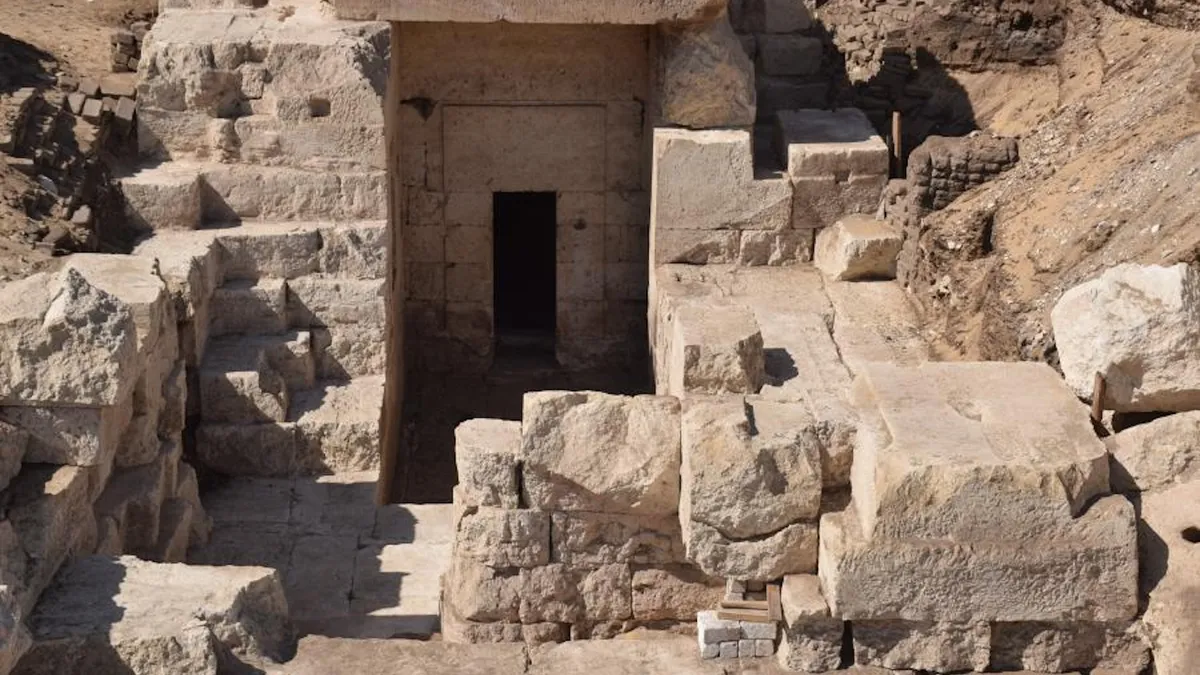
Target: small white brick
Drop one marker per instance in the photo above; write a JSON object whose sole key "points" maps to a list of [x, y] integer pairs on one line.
{"points": [[729, 650], [745, 649], [710, 651], [758, 631], [764, 648], [712, 630]]}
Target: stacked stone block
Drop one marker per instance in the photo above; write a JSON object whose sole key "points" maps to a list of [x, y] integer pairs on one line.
{"points": [[555, 540], [726, 640], [788, 50], [127, 46]]}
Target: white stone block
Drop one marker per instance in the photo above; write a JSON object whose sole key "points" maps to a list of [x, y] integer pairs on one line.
{"points": [[857, 247]]}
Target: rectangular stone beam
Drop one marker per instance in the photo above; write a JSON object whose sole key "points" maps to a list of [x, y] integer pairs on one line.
{"points": [[642, 12]]}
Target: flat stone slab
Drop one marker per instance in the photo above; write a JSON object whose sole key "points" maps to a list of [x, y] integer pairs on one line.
{"points": [[972, 452], [820, 142], [318, 655], [528, 11]]}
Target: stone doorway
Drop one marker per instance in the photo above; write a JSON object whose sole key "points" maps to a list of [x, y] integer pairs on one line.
{"points": [[523, 263]]}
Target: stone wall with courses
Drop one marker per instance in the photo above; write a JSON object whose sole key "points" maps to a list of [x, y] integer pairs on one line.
{"points": [[492, 108], [555, 541], [92, 411]]}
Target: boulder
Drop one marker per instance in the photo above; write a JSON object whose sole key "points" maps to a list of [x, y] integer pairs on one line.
{"points": [[715, 349], [812, 639], [1136, 326], [486, 453], [68, 342], [1157, 454], [972, 452], [857, 247], [588, 451], [750, 467], [1171, 575], [124, 615], [706, 78]]}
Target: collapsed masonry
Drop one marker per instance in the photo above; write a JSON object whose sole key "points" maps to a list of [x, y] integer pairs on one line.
{"points": [[319, 198]]}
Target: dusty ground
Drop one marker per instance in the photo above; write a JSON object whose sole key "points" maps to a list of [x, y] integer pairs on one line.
{"points": [[1110, 155]]}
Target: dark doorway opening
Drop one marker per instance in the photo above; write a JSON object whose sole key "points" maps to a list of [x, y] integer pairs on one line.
{"points": [[524, 267]]}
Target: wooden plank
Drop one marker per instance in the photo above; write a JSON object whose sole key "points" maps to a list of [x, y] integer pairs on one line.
{"points": [[774, 606], [750, 615], [1099, 391], [745, 604]]}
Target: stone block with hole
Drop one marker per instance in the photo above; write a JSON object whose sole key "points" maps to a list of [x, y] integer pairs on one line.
{"points": [[857, 247], [715, 349]]}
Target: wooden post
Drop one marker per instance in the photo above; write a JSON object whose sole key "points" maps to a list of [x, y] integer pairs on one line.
{"points": [[1099, 391], [897, 144]]}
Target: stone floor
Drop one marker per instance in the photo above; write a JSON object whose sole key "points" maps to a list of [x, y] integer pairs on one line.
{"points": [[436, 403], [350, 569]]}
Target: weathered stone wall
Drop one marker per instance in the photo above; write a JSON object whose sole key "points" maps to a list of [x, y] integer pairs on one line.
{"points": [[501, 107]]}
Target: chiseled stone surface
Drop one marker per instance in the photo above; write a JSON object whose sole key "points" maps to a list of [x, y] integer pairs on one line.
{"points": [[812, 639], [153, 617], [750, 467], [972, 452], [69, 342], [673, 593], [1170, 555], [581, 538], [1057, 647], [588, 451], [715, 350], [792, 550], [857, 247], [705, 76], [1136, 326], [504, 537], [486, 453], [937, 647], [1156, 455], [1085, 572]]}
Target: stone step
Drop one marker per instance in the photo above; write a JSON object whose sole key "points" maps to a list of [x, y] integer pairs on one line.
{"points": [[332, 427], [118, 615], [249, 307], [353, 249], [187, 194], [249, 379]]}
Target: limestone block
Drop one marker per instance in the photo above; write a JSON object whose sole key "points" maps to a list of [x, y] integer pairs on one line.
{"points": [[704, 180], [125, 614], [13, 443], [348, 351], [243, 191], [551, 593], [1060, 647], [672, 593], [243, 397], [606, 593], [69, 342], [78, 436], [284, 252], [289, 357], [695, 247], [1169, 553], [938, 647], [475, 592], [774, 249], [820, 201], [715, 350], [706, 79], [249, 307], [48, 509], [315, 301], [16, 639], [248, 449], [1157, 454], [875, 321], [338, 426], [830, 142], [456, 630], [487, 453], [962, 450], [503, 537], [588, 451], [164, 197], [1135, 325], [792, 550], [750, 468], [135, 281], [1086, 572], [789, 55], [355, 250], [588, 539], [568, 12], [857, 247], [812, 640]]}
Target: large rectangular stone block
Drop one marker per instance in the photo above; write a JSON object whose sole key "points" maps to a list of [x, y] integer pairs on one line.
{"points": [[588, 451], [249, 307], [791, 550], [319, 301], [77, 436], [282, 251], [937, 647], [827, 143], [503, 537], [589, 539], [673, 593], [812, 639], [715, 349], [487, 454], [1085, 572]]}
